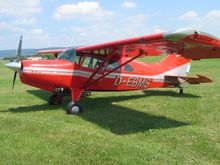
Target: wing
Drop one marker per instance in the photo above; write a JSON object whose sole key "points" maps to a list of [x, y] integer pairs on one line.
{"points": [[191, 44], [54, 52]]}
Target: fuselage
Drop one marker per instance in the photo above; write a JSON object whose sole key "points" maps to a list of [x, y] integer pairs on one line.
{"points": [[52, 74]]}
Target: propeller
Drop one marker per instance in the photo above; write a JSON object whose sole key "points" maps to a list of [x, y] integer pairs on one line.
{"points": [[16, 65], [15, 75], [18, 53]]}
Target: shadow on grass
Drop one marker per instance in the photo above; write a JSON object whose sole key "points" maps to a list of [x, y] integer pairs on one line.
{"points": [[105, 113], [42, 107], [169, 93]]}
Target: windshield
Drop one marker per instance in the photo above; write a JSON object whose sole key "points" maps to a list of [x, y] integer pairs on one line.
{"points": [[69, 55]]}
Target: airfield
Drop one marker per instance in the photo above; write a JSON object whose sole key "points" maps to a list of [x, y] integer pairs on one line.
{"points": [[155, 126]]}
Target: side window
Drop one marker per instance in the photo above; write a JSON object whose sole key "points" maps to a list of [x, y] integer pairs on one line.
{"points": [[97, 62], [77, 58], [91, 62], [86, 62], [113, 65], [128, 68]]}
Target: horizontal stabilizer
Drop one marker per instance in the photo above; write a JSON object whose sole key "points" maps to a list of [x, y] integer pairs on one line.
{"points": [[191, 80]]}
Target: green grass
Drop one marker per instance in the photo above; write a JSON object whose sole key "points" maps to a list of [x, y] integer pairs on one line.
{"points": [[138, 127]]}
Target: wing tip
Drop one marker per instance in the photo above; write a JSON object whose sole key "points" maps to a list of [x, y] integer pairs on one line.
{"points": [[184, 32]]}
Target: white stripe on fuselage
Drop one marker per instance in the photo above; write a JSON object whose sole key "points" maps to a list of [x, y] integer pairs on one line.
{"points": [[178, 71]]}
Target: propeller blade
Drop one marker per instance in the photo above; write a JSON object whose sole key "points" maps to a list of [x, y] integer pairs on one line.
{"points": [[17, 64], [15, 75], [18, 54]]}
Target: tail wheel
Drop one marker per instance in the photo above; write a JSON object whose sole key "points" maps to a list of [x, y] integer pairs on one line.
{"points": [[55, 100], [74, 108], [86, 93]]}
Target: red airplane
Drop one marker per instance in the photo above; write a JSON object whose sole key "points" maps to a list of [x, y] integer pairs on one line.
{"points": [[113, 66]]}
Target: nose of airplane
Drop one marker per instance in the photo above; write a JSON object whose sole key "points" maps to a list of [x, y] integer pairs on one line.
{"points": [[15, 66]]}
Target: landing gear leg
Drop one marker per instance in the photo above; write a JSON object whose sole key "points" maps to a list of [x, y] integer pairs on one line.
{"points": [[73, 107]]}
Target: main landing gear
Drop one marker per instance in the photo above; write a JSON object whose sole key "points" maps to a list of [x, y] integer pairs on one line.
{"points": [[180, 90], [55, 99], [73, 107], [57, 96]]}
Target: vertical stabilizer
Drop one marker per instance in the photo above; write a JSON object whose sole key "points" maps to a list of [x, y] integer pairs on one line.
{"points": [[175, 65]]}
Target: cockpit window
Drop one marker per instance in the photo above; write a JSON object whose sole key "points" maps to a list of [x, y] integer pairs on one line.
{"points": [[128, 68], [69, 55], [91, 62]]}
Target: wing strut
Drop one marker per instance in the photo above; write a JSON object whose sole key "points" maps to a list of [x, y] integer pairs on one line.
{"points": [[102, 65], [141, 52]]}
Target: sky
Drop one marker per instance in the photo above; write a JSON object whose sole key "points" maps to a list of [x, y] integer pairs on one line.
{"points": [[52, 23]]}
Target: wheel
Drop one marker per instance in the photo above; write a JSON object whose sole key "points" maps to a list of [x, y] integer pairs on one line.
{"points": [[74, 108], [181, 91], [55, 100]]}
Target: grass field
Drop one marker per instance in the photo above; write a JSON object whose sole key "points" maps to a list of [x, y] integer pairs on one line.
{"points": [[138, 127]]}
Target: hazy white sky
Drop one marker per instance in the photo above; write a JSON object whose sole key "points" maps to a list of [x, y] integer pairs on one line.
{"points": [[48, 23]]}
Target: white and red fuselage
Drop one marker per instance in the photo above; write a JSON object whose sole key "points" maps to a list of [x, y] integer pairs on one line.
{"points": [[52, 74], [112, 66]]}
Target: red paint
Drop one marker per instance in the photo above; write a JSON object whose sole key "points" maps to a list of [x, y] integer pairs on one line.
{"points": [[51, 74]]}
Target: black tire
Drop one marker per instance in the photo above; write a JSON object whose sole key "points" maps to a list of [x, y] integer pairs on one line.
{"points": [[74, 108], [55, 100], [181, 91]]}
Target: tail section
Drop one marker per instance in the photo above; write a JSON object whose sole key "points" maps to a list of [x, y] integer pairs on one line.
{"points": [[174, 65], [178, 69]]}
